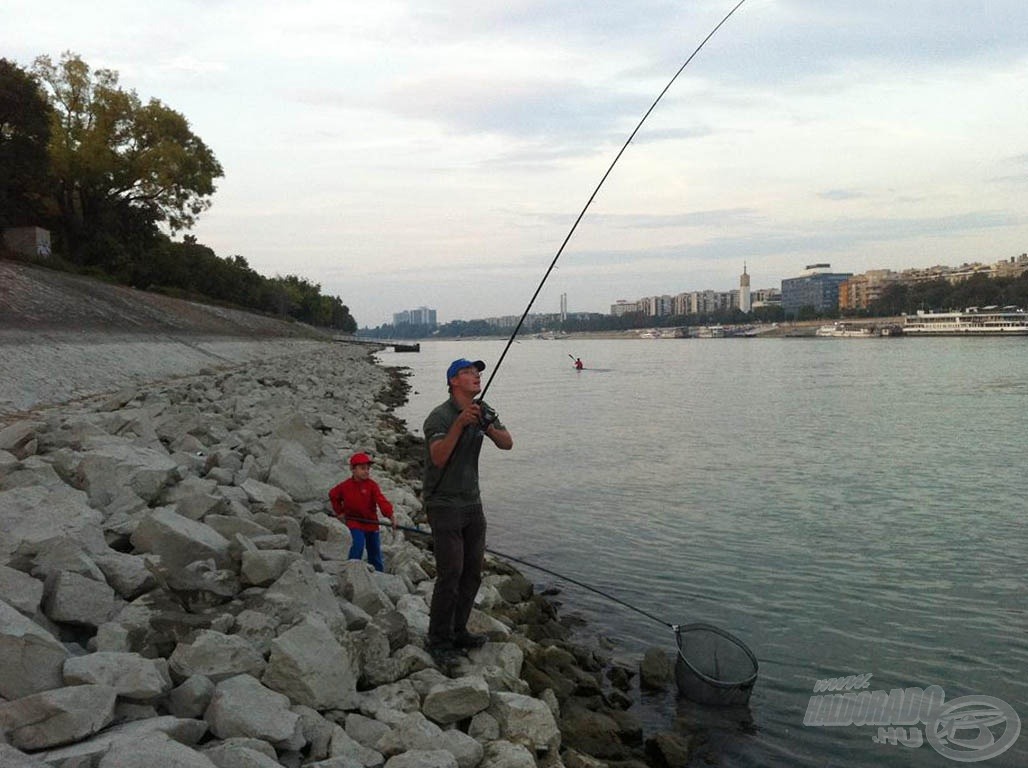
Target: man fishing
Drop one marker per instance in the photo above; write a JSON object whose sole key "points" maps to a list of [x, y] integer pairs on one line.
{"points": [[453, 433]]}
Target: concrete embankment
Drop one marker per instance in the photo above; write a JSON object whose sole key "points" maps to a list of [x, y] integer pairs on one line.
{"points": [[172, 591]]}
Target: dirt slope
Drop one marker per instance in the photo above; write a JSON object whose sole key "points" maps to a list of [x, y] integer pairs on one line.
{"points": [[33, 299]]}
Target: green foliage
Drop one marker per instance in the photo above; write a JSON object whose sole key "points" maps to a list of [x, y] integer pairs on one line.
{"points": [[24, 135], [111, 156], [88, 159], [977, 291]]}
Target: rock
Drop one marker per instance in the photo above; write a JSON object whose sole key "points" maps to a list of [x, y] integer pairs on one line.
{"points": [[230, 755], [56, 717], [357, 585], [18, 437], [179, 541], [241, 706], [423, 758], [191, 698], [668, 750], [300, 591], [454, 700], [89, 752], [31, 516], [365, 730], [655, 670], [341, 745], [108, 468], [504, 754], [216, 656], [293, 471], [21, 591], [399, 697], [15, 758], [294, 429], [309, 666], [153, 750], [31, 659], [525, 720], [128, 574], [75, 599], [263, 567], [129, 674], [266, 496]]}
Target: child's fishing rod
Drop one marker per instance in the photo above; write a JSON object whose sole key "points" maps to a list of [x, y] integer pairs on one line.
{"points": [[585, 208]]}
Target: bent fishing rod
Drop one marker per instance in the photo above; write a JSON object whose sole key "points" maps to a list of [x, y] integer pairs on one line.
{"points": [[596, 191]]}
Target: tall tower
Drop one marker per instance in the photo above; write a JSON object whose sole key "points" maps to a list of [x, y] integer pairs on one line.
{"points": [[563, 307], [744, 290]]}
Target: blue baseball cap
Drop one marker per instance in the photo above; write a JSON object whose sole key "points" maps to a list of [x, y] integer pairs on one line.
{"points": [[460, 364]]}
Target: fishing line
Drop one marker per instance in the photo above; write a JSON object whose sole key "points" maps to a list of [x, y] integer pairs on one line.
{"points": [[589, 202], [505, 556]]}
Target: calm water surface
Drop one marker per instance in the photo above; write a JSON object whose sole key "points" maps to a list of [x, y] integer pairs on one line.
{"points": [[844, 506]]}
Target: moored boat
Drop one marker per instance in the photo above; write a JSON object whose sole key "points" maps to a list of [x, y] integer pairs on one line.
{"points": [[845, 330], [973, 321]]}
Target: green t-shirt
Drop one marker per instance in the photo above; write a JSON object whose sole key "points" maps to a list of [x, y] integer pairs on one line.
{"points": [[459, 483]]}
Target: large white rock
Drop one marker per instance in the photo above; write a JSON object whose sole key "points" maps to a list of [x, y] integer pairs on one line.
{"points": [[293, 471], [216, 656], [128, 574], [109, 467], [454, 700], [180, 541], [238, 756], [525, 720], [75, 599], [152, 751], [309, 666], [31, 659], [56, 717], [263, 567], [241, 706], [294, 428], [423, 758], [131, 675], [18, 437], [342, 745], [358, 585], [88, 752], [299, 591], [15, 758], [20, 590], [505, 754], [33, 515]]}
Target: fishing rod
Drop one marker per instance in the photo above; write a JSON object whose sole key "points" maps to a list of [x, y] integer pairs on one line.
{"points": [[592, 197], [521, 561]]}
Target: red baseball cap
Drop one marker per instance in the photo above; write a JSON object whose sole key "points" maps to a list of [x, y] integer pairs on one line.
{"points": [[360, 458]]}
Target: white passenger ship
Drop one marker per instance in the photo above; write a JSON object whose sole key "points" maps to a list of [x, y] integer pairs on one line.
{"points": [[973, 321]]}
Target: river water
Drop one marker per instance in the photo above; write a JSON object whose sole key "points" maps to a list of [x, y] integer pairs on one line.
{"points": [[843, 506]]}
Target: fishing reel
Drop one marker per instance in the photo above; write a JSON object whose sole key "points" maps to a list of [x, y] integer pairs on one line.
{"points": [[488, 415]]}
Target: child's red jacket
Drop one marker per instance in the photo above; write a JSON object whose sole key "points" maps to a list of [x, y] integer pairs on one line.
{"points": [[354, 501]]}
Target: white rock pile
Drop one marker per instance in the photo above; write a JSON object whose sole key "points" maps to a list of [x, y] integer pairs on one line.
{"points": [[173, 593]]}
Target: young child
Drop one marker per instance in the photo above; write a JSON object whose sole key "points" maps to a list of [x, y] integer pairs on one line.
{"points": [[354, 501]]}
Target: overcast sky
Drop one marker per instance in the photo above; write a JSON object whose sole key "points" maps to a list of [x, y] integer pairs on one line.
{"points": [[403, 153]]}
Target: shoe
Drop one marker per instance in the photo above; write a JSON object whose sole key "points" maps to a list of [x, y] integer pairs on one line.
{"points": [[442, 651], [469, 640]]}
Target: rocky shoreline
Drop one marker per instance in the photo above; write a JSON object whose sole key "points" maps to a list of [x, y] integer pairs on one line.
{"points": [[173, 593]]}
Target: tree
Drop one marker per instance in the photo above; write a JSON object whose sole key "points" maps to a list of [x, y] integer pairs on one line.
{"points": [[24, 134], [111, 154]]}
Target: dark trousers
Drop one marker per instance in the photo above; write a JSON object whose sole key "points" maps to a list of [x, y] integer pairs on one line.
{"points": [[458, 536]]}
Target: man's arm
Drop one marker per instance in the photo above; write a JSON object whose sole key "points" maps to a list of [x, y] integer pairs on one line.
{"points": [[439, 449], [500, 436]]}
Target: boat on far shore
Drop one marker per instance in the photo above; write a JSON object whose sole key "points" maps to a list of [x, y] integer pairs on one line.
{"points": [[847, 331], [973, 321]]}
